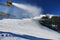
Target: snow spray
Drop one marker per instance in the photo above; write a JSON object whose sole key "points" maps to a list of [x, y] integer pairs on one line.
{"points": [[32, 10]]}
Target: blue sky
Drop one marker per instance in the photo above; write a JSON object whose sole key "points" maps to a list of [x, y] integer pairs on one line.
{"points": [[49, 6]]}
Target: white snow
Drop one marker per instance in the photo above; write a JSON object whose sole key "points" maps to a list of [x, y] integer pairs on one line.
{"points": [[12, 38], [28, 27]]}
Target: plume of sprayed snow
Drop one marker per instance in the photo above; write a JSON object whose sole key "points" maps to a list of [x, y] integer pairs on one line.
{"points": [[32, 11]]}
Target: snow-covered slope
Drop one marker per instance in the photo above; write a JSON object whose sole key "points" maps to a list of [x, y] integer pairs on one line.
{"points": [[12, 38], [28, 27]]}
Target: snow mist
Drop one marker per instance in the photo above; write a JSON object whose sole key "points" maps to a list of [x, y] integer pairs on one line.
{"points": [[32, 10]]}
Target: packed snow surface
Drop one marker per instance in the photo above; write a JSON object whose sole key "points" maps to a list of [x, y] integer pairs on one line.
{"points": [[28, 27]]}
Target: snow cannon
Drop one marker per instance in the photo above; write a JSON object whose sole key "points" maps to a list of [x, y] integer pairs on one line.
{"points": [[8, 3]]}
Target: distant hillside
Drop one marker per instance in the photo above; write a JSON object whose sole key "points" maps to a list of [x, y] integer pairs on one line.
{"points": [[6, 15], [56, 21], [53, 22]]}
